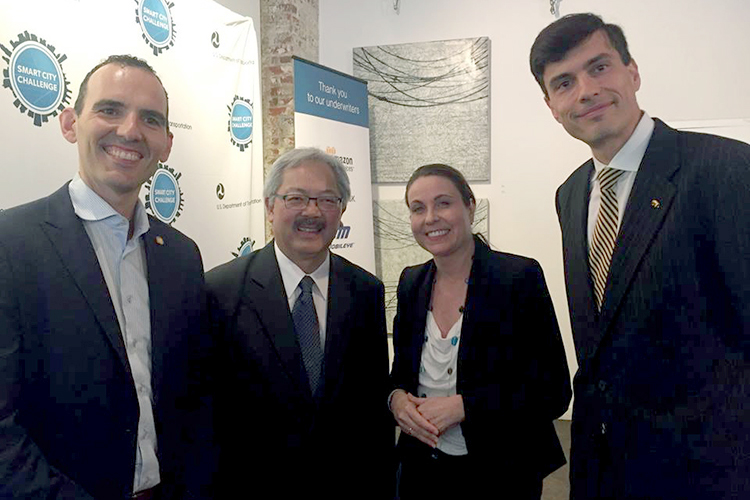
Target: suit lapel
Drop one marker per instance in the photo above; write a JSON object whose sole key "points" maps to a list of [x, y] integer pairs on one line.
{"points": [[573, 206], [418, 311], [578, 251], [71, 242], [161, 295], [265, 289], [648, 205], [477, 306], [340, 321]]}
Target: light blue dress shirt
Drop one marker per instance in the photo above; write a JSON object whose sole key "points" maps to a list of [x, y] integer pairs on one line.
{"points": [[123, 264]]}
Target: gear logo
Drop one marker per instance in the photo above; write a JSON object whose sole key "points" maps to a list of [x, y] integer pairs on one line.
{"points": [[164, 197], [245, 248], [35, 76], [241, 122], [155, 20]]}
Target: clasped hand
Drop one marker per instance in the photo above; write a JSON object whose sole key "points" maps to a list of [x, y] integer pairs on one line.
{"points": [[426, 418]]}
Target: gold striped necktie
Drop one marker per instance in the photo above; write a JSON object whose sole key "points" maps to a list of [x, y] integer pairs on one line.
{"points": [[605, 231]]}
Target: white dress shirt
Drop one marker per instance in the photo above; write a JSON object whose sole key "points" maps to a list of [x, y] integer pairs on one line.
{"points": [[123, 264], [628, 158], [291, 275]]}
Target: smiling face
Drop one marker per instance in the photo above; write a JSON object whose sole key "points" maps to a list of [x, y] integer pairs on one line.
{"points": [[592, 94], [304, 235], [440, 221], [121, 133]]}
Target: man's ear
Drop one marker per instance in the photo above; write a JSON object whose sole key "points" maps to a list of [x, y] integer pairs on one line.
{"points": [[68, 119], [269, 208], [165, 154], [635, 74], [552, 109]]}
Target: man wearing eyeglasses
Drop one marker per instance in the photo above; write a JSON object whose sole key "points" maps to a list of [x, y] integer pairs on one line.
{"points": [[304, 347]]}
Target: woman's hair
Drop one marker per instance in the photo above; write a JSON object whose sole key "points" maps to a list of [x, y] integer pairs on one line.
{"points": [[448, 172]]}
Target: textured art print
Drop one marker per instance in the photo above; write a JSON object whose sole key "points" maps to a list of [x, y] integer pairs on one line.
{"points": [[429, 103], [395, 247]]}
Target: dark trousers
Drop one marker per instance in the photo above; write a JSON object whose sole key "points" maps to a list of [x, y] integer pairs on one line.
{"points": [[431, 474]]}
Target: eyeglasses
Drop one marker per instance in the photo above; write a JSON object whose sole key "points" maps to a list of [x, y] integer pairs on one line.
{"points": [[300, 201]]}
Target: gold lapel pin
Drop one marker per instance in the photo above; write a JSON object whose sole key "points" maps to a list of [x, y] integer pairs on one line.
{"points": [[655, 203], [159, 240]]}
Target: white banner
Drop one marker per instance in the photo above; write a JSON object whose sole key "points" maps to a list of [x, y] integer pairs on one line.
{"points": [[331, 114], [207, 58]]}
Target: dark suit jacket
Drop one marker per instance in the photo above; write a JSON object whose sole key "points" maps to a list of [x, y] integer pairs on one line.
{"points": [[276, 440], [662, 394], [68, 406], [512, 372]]}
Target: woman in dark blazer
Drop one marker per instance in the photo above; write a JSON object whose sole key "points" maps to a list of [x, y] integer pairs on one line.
{"points": [[479, 372]]}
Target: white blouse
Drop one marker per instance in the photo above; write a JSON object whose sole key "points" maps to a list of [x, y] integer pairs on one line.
{"points": [[437, 375]]}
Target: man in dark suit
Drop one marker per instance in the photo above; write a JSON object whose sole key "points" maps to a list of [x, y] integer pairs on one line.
{"points": [[307, 363], [656, 241], [100, 313]]}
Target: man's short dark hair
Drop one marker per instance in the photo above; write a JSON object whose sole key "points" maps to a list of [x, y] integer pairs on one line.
{"points": [[554, 42], [123, 61]]}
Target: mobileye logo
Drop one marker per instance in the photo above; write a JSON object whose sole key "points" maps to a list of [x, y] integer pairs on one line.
{"points": [[342, 232], [164, 197], [155, 19], [245, 248], [35, 76], [241, 122]]}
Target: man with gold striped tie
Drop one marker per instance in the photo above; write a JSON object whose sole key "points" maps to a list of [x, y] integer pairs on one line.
{"points": [[656, 239]]}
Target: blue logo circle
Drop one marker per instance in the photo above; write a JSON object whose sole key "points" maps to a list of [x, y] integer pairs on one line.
{"points": [[247, 248], [165, 195], [36, 77], [156, 22], [242, 122]]}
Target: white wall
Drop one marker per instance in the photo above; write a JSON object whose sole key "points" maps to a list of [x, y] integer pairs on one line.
{"points": [[249, 8], [244, 7], [692, 56]]}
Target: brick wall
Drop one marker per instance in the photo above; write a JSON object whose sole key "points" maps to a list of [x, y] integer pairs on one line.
{"points": [[287, 28]]}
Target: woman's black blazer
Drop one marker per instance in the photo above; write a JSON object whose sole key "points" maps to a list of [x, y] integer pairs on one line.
{"points": [[512, 371]]}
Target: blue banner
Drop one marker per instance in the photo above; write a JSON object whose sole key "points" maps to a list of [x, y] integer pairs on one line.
{"points": [[326, 93]]}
